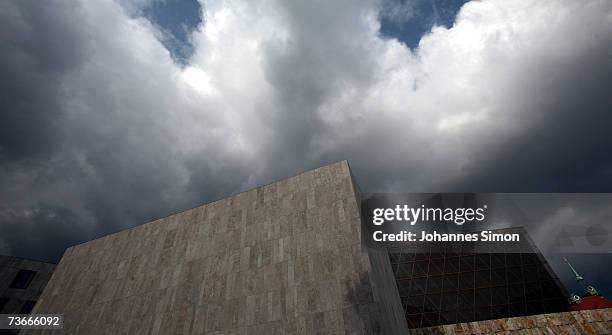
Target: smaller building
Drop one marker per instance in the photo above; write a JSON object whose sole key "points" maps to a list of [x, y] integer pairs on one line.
{"points": [[455, 284], [22, 281], [591, 298]]}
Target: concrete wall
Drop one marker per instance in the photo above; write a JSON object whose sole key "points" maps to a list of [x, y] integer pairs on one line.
{"points": [[583, 322], [284, 258], [385, 289], [9, 267]]}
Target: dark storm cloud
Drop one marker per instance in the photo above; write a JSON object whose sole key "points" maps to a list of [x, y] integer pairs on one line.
{"points": [[101, 129], [39, 46], [42, 234], [87, 145], [564, 147]]}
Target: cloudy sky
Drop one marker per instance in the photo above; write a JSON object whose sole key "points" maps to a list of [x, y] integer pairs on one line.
{"points": [[574, 226], [113, 113]]}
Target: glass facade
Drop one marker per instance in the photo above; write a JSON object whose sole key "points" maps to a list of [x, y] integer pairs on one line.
{"points": [[446, 287]]}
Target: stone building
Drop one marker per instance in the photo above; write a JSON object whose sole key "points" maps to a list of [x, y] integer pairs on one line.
{"points": [[282, 258], [22, 281]]}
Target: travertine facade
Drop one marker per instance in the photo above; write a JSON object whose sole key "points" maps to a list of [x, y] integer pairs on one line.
{"points": [[285, 258], [597, 321]]}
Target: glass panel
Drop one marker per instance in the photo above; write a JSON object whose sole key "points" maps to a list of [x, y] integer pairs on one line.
{"points": [[404, 270], [430, 319], [448, 317], [394, 258], [465, 315], [550, 290], [466, 300], [483, 313], [483, 261], [514, 275], [422, 256], [407, 257], [513, 260], [543, 273], [431, 303], [530, 273], [434, 284], [517, 309], [414, 304], [467, 264], [499, 296], [403, 286], [450, 282], [516, 293], [498, 277], [498, 312], [483, 297], [436, 267], [23, 279], [449, 301], [533, 291], [418, 286], [534, 307], [466, 280], [451, 265], [483, 278], [420, 268], [530, 259], [27, 307], [498, 261], [414, 320], [3, 302]]}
